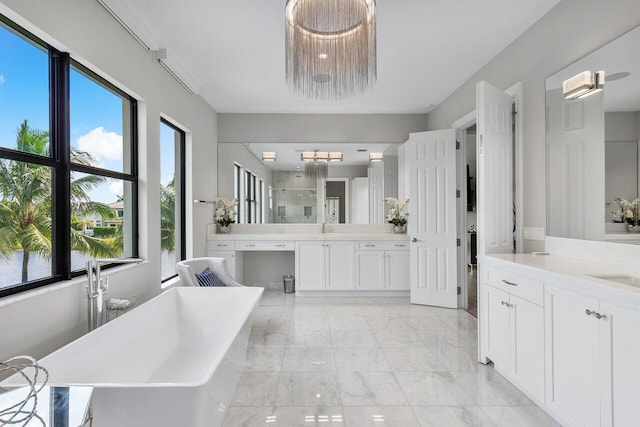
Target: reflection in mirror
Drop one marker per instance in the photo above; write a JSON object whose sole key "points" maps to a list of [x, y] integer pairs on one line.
{"points": [[350, 191], [592, 146]]}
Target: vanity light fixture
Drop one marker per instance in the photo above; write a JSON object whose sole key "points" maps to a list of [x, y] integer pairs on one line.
{"points": [[375, 157], [268, 156], [321, 156], [335, 156], [583, 84]]}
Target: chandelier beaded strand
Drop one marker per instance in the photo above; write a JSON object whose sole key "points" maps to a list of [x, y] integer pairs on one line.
{"points": [[330, 47]]}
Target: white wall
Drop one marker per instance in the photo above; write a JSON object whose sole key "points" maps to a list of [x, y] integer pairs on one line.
{"points": [[568, 32], [39, 321], [300, 128]]}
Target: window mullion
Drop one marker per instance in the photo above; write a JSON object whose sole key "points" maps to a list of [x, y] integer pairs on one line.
{"points": [[60, 149]]}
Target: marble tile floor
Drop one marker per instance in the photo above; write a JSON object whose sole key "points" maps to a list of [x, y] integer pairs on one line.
{"points": [[370, 361]]}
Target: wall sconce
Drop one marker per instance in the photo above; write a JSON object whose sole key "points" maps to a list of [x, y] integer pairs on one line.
{"points": [[375, 157], [583, 84], [268, 156]]}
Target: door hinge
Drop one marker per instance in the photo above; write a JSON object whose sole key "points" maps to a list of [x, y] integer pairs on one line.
{"points": [[457, 194], [458, 243], [459, 290], [457, 145]]}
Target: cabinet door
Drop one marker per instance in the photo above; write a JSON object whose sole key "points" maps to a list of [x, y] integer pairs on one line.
{"points": [[230, 258], [497, 313], [527, 345], [310, 268], [340, 266], [370, 270], [620, 333], [398, 270], [572, 346]]}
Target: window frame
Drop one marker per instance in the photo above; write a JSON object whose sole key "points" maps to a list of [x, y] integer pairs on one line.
{"points": [[60, 64], [181, 162]]}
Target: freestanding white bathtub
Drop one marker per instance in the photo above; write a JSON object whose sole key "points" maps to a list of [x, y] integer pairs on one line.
{"points": [[174, 361]]}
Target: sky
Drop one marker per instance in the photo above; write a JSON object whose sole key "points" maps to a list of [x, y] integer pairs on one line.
{"points": [[96, 113]]}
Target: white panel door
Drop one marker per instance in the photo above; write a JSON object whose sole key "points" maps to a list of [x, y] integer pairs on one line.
{"points": [[397, 270], [340, 265], [498, 339], [432, 219], [495, 170], [620, 353], [575, 166], [370, 270], [572, 347], [527, 344], [310, 266]]}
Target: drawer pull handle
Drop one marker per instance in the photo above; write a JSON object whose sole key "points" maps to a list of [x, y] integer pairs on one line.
{"points": [[251, 246], [280, 246], [400, 246], [369, 246], [589, 312], [509, 283], [221, 245]]}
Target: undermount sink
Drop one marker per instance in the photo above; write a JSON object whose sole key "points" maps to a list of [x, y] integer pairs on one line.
{"points": [[625, 279]]}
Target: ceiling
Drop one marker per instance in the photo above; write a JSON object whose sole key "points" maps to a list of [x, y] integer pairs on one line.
{"points": [[232, 52]]}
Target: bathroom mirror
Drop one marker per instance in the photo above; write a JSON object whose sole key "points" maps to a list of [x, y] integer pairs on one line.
{"points": [[592, 145], [289, 190]]}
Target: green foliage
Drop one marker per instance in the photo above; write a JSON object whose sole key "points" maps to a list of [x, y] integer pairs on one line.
{"points": [[105, 231], [25, 205]]}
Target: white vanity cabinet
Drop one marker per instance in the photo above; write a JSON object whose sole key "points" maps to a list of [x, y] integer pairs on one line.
{"points": [[592, 355], [226, 250], [324, 265], [514, 325], [382, 265]]}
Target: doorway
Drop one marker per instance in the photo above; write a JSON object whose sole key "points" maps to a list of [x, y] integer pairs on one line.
{"points": [[336, 203]]}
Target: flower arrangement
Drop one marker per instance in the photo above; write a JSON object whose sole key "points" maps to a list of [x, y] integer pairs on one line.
{"points": [[627, 211], [225, 212], [397, 211]]}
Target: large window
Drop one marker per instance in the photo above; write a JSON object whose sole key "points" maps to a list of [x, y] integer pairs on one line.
{"points": [[68, 178], [172, 200]]}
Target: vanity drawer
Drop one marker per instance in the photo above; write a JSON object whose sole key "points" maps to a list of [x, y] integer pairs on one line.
{"points": [[222, 245], [523, 287], [399, 245], [262, 245]]}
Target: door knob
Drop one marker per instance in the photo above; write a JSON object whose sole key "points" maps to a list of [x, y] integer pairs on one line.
{"points": [[413, 239]]}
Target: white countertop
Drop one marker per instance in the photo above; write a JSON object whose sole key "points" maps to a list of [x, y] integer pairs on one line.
{"points": [[572, 274], [308, 236]]}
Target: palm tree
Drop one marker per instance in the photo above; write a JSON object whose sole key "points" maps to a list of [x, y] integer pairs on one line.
{"points": [[168, 216], [25, 207]]}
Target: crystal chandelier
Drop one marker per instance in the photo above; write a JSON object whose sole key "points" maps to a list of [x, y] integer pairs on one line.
{"points": [[330, 47]]}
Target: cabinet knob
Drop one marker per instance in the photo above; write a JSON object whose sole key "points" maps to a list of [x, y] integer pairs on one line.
{"points": [[414, 239], [589, 312], [601, 316]]}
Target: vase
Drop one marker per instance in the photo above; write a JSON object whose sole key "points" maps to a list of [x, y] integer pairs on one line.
{"points": [[224, 228], [633, 228], [400, 228]]}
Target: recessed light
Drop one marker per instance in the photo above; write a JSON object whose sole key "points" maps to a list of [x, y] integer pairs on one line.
{"points": [[375, 157], [268, 156]]}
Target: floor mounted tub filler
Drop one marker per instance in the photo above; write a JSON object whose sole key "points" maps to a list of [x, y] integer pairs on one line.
{"points": [[174, 361]]}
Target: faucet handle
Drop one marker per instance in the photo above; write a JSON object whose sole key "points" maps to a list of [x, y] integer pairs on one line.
{"points": [[104, 284]]}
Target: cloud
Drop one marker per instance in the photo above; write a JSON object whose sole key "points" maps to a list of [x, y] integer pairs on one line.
{"points": [[116, 188], [2, 79], [101, 144]]}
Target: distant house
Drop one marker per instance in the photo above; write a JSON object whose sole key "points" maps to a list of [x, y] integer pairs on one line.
{"points": [[94, 220]]}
